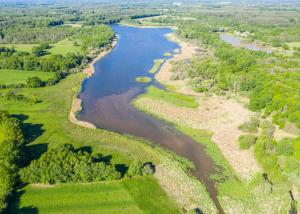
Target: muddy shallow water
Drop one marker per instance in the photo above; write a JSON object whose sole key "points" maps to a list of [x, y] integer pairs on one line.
{"points": [[107, 97]]}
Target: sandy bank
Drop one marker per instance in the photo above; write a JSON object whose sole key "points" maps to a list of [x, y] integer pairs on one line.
{"points": [[76, 104]]}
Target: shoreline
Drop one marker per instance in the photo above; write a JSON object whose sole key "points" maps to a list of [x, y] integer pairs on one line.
{"points": [[215, 113], [76, 103]]}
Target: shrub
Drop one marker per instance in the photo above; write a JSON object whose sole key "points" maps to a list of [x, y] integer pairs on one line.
{"points": [[137, 168], [246, 141], [65, 164], [34, 82], [250, 126], [267, 128], [285, 147]]}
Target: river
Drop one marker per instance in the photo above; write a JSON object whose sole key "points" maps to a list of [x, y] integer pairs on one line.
{"points": [[107, 96]]}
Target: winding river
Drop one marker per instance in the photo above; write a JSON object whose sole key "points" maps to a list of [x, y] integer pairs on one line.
{"points": [[107, 97]]}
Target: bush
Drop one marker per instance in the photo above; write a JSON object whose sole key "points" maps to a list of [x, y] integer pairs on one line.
{"points": [[137, 168], [34, 82], [250, 126], [267, 128], [64, 164], [246, 141], [285, 147]]}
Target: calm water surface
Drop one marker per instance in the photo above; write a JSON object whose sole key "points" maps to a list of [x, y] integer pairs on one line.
{"points": [[107, 96], [235, 41]]}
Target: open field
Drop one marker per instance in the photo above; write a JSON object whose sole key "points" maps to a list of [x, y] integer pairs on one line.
{"points": [[20, 47], [62, 47], [139, 195], [65, 46], [15, 76]]}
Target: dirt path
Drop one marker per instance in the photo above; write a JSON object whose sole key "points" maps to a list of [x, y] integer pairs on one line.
{"points": [[218, 114]]}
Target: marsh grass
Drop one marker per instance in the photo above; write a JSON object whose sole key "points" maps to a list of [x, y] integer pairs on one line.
{"points": [[143, 79], [171, 97], [255, 195], [156, 66]]}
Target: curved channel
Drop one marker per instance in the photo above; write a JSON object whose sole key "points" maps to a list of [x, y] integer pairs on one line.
{"points": [[107, 97]]}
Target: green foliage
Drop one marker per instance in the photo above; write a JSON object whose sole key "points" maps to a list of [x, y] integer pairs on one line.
{"points": [[157, 64], [265, 153], [8, 77], [172, 97], [96, 37], [65, 164], [128, 196], [10, 95], [34, 82], [246, 141], [297, 149], [11, 141], [250, 126], [285, 147], [137, 168], [143, 79]]}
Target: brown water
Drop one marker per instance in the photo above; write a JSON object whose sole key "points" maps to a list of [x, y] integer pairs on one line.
{"points": [[107, 97]]}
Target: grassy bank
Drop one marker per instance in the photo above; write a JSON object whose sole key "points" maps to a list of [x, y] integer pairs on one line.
{"points": [[236, 195]]}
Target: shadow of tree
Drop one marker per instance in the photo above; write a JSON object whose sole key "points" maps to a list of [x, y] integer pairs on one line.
{"points": [[14, 205], [122, 168], [31, 131]]}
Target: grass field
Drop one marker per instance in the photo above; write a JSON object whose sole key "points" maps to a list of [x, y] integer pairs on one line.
{"points": [[172, 97], [65, 46], [138, 195], [20, 47], [62, 47], [16, 76]]}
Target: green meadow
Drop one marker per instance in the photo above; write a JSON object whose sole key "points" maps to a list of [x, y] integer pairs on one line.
{"points": [[20, 47], [137, 195], [172, 97], [47, 125], [8, 76], [66, 46], [62, 47]]}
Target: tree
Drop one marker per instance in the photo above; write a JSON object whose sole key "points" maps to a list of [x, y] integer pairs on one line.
{"points": [[34, 82]]}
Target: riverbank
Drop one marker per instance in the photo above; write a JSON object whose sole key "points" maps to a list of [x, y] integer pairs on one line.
{"points": [[218, 114], [76, 103], [239, 180]]}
